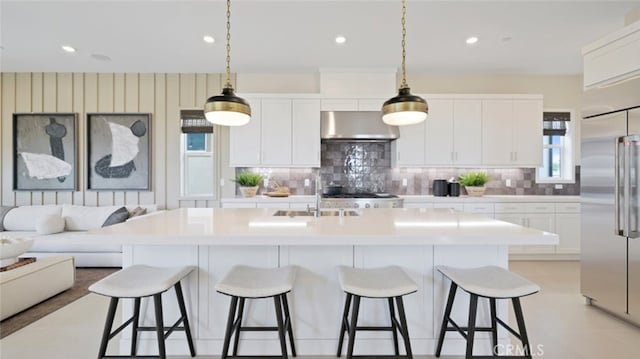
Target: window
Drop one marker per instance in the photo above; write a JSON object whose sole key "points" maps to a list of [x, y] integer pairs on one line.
{"points": [[198, 161], [557, 148]]}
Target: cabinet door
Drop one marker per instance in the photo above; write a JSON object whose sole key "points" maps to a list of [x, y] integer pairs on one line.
{"points": [[410, 147], [515, 219], [439, 133], [417, 205], [276, 132], [568, 229], [239, 205], [306, 133], [467, 127], [497, 130], [244, 141], [527, 132], [544, 222]]}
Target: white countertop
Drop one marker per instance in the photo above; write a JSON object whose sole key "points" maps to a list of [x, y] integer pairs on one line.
{"points": [[420, 198], [248, 226]]}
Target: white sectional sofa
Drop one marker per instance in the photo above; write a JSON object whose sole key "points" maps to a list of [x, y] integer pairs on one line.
{"points": [[27, 221]]}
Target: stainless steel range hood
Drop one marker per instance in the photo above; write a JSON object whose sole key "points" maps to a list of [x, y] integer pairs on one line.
{"points": [[356, 125]]}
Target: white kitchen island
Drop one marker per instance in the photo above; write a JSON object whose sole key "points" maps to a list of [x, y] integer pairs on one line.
{"points": [[415, 239]]}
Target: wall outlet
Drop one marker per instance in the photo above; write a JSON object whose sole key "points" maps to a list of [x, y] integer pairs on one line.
{"points": [[507, 182], [265, 182], [221, 182], [558, 186], [307, 182], [404, 182]]}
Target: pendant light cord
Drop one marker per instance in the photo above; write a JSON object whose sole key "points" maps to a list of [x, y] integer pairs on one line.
{"points": [[404, 52], [228, 84]]}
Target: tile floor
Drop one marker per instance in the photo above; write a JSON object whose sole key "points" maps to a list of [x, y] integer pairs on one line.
{"points": [[557, 319]]}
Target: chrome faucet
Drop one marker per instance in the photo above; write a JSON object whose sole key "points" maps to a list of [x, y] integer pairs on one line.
{"points": [[316, 210]]}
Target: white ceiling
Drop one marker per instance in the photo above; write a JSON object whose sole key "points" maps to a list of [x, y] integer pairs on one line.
{"points": [[298, 36]]}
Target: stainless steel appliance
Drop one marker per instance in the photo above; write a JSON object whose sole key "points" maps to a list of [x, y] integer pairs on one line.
{"points": [[361, 200], [356, 125], [610, 196]]}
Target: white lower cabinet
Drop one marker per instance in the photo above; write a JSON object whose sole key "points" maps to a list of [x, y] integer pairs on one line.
{"points": [[238, 205]]}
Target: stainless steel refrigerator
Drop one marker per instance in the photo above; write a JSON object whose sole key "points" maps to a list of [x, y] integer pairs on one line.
{"points": [[610, 196]]}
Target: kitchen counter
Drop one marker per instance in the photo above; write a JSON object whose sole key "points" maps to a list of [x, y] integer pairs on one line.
{"points": [[398, 226], [418, 240], [492, 199]]}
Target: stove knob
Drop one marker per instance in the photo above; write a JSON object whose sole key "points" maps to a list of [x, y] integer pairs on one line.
{"points": [[367, 205], [355, 205], [376, 205]]}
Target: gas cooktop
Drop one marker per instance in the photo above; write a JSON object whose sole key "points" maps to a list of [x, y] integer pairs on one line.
{"points": [[360, 195]]}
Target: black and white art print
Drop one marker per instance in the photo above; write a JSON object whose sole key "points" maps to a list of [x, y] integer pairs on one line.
{"points": [[44, 152], [119, 156]]}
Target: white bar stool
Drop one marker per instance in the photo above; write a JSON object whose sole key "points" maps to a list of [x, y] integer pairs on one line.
{"points": [[136, 282], [489, 282], [387, 282], [244, 282]]}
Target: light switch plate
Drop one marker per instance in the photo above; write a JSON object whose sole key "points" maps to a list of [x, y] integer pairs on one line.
{"points": [[558, 186], [507, 182], [307, 183], [404, 182]]}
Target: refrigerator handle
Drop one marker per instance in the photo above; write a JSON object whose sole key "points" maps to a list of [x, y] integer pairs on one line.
{"points": [[619, 151], [631, 187]]}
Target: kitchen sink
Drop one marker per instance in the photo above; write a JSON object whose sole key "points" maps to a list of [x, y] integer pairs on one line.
{"points": [[283, 213]]}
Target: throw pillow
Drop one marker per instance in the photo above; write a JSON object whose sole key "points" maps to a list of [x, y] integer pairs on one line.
{"points": [[118, 216], [138, 211], [50, 224], [3, 212]]}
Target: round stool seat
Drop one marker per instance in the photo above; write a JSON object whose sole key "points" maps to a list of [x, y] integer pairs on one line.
{"points": [[383, 282], [139, 281], [251, 282], [490, 281]]}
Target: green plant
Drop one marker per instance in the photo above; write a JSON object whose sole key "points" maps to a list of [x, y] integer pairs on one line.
{"points": [[474, 179], [248, 179]]}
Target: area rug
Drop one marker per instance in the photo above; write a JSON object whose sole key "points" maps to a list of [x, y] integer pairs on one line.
{"points": [[84, 278]]}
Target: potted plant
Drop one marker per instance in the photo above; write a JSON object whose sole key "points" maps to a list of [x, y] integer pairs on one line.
{"points": [[248, 183], [474, 183]]}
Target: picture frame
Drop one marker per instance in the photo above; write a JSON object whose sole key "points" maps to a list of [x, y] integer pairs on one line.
{"points": [[118, 151], [45, 156]]}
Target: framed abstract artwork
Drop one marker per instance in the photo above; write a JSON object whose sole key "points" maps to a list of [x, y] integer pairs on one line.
{"points": [[118, 151], [44, 152]]}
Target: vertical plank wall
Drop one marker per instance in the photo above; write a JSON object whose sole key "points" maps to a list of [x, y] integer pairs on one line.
{"points": [[162, 95]]}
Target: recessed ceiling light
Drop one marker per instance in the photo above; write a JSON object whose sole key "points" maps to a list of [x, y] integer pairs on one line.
{"points": [[68, 48], [341, 39], [472, 40], [209, 39]]}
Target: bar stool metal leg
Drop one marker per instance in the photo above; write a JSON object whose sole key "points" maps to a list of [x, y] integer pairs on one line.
{"points": [[352, 325], [106, 333], [471, 330], [524, 338], [185, 319], [343, 327], [281, 328], [494, 326], [404, 328], [287, 323], [157, 303], [394, 327], [445, 319], [134, 326], [227, 333], [237, 325]]}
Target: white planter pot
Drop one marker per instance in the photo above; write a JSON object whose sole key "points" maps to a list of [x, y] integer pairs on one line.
{"points": [[475, 191], [249, 191]]}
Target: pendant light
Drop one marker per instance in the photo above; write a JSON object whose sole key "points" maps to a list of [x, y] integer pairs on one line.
{"points": [[404, 109], [227, 109]]}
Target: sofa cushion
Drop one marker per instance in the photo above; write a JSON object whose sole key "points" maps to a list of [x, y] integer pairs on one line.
{"points": [[138, 211], [64, 242], [50, 224], [3, 212], [25, 218], [118, 216], [149, 207], [84, 218]]}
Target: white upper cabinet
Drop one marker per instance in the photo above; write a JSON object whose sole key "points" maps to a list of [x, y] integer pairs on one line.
{"points": [[276, 132], [339, 105], [439, 133], [467, 127], [512, 132], [244, 141], [410, 147], [306, 133], [613, 58], [281, 133]]}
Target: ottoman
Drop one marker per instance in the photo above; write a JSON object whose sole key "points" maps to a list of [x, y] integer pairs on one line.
{"points": [[22, 287]]}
